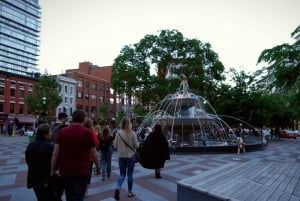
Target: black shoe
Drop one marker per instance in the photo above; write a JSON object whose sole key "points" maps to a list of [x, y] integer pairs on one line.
{"points": [[117, 194], [157, 175]]}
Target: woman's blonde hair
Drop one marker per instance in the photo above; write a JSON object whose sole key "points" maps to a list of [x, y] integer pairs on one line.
{"points": [[126, 124], [97, 128], [88, 123]]}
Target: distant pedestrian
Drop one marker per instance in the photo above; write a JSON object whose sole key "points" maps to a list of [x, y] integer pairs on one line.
{"points": [[240, 144], [73, 146], [272, 132], [59, 124], [38, 158], [106, 149], [124, 142], [88, 123], [155, 151]]}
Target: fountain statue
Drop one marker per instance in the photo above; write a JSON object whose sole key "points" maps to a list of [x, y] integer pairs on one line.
{"points": [[189, 126]]}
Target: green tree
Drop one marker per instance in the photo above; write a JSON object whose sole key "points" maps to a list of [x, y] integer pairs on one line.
{"points": [[284, 71], [104, 110], [167, 53], [45, 97]]}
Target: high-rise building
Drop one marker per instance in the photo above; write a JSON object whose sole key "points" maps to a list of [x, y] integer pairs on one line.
{"points": [[20, 25]]}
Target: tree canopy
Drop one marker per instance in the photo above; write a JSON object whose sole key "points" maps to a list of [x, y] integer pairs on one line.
{"points": [[169, 55], [45, 97]]}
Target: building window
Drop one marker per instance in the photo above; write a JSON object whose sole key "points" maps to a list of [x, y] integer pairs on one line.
{"points": [[12, 108], [13, 83], [21, 108], [93, 109], [87, 108], [87, 84], [71, 100], [86, 96], [79, 83], [79, 95], [71, 90], [101, 87], [66, 99], [12, 92], [66, 89], [30, 87], [21, 93], [59, 88], [93, 86], [21, 85], [1, 107], [80, 107], [1, 90], [93, 97]]}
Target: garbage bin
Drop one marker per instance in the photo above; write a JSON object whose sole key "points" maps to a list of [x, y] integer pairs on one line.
{"points": [[31, 138]]}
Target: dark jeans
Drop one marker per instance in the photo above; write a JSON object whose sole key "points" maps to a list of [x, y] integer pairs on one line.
{"points": [[75, 187], [43, 193]]}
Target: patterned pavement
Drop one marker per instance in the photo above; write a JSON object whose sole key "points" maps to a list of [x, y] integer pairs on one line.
{"points": [[13, 171]]}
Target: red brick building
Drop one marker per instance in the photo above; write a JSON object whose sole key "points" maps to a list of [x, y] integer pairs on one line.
{"points": [[13, 108], [93, 90]]}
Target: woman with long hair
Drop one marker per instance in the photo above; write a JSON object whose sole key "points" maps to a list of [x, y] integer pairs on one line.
{"points": [[155, 151], [106, 150], [125, 143]]}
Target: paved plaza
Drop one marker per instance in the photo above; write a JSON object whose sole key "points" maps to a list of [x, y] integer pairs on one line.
{"points": [[13, 171]]}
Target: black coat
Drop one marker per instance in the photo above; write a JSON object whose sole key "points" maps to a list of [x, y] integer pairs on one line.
{"points": [[155, 151], [38, 158]]}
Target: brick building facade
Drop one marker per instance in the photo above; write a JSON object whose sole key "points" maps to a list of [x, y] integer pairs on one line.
{"points": [[93, 90]]}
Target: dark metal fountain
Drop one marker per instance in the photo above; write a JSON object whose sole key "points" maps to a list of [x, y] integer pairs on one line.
{"points": [[191, 125]]}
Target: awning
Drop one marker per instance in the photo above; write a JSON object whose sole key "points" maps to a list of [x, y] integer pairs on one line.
{"points": [[26, 119]]}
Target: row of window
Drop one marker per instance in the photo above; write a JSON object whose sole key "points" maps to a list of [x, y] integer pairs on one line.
{"points": [[92, 109], [94, 86], [12, 42], [19, 35], [12, 108], [21, 17], [27, 7]]}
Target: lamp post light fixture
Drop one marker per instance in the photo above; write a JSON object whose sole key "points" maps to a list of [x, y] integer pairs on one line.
{"points": [[44, 99]]}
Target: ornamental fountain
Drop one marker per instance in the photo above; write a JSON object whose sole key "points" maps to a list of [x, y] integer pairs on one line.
{"points": [[191, 124]]}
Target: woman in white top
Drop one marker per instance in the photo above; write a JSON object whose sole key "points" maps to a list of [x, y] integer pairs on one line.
{"points": [[126, 155]]}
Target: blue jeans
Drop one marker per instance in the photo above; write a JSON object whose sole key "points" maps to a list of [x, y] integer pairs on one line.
{"points": [[106, 162], [126, 165]]}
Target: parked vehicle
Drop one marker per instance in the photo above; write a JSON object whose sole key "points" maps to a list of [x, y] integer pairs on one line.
{"points": [[288, 134]]}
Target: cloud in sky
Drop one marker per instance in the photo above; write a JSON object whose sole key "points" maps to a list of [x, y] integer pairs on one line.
{"points": [[74, 31]]}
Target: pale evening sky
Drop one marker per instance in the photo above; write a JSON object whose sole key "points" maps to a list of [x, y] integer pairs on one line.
{"points": [[74, 31]]}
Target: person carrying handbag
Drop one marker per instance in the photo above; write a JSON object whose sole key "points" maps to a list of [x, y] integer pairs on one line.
{"points": [[126, 156]]}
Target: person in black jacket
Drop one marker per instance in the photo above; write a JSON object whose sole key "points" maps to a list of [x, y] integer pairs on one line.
{"points": [[38, 158], [155, 151]]}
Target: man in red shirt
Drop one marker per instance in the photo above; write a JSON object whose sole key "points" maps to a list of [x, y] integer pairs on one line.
{"points": [[73, 146]]}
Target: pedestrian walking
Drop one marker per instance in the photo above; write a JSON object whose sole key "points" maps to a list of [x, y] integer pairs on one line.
{"points": [[88, 123], [73, 146], [38, 158], [59, 124], [155, 151], [125, 142], [106, 149], [240, 143]]}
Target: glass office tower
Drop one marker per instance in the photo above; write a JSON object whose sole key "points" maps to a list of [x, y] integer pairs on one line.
{"points": [[20, 25]]}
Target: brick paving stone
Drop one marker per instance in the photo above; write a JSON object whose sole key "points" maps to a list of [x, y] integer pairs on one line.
{"points": [[13, 171]]}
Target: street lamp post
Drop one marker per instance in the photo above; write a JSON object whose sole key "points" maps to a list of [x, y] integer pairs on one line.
{"points": [[44, 99]]}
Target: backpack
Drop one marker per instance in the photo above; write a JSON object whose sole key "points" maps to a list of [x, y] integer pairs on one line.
{"points": [[105, 145], [56, 128]]}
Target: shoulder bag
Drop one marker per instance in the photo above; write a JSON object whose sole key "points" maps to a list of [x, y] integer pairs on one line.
{"points": [[136, 153]]}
